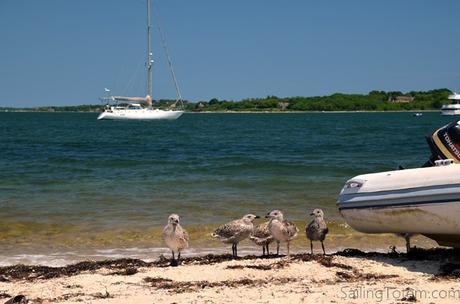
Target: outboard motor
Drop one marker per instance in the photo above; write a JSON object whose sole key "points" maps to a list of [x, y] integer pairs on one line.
{"points": [[444, 144]]}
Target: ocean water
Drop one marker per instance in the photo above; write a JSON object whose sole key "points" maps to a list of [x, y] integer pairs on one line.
{"points": [[73, 187]]}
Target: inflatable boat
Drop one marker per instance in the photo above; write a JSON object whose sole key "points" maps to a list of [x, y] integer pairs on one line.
{"points": [[424, 200]]}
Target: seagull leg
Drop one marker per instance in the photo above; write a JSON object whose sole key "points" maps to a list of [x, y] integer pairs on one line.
{"points": [[277, 248], [173, 261], [178, 257], [233, 250], [268, 250], [236, 250], [407, 237], [311, 246], [263, 250], [322, 245]]}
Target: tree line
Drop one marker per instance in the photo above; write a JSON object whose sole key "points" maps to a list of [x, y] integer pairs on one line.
{"points": [[373, 101]]}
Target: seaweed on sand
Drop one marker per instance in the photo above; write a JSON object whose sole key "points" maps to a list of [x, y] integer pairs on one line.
{"points": [[417, 254], [190, 286], [277, 265], [450, 270], [130, 266], [30, 273]]}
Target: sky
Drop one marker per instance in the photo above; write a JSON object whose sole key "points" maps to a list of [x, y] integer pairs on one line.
{"points": [[55, 52]]}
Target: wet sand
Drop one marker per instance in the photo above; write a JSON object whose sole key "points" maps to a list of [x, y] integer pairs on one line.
{"points": [[349, 276]]}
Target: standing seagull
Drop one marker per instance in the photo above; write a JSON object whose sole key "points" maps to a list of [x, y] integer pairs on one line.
{"points": [[175, 237], [317, 229], [235, 231], [261, 236], [282, 230]]}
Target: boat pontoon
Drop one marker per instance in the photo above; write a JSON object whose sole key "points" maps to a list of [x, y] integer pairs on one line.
{"points": [[421, 201]]}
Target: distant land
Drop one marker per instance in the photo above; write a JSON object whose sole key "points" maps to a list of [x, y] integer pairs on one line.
{"points": [[373, 101]]}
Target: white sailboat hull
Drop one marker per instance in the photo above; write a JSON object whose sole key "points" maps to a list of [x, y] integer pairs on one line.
{"points": [[142, 114], [420, 201]]}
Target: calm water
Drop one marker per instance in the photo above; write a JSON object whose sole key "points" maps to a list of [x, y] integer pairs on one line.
{"points": [[70, 184]]}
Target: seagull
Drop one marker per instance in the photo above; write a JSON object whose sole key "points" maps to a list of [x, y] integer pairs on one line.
{"points": [[282, 230], [261, 236], [235, 231], [317, 229], [175, 237]]}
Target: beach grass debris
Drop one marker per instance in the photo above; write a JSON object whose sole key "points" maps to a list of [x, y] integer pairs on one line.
{"points": [[30, 273], [193, 286], [19, 299], [125, 272], [415, 254], [128, 266], [277, 265], [4, 295], [410, 298], [355, 276], [450, 270]]}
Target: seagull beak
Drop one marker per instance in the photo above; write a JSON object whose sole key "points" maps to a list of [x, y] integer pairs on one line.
{"points": [[257, 216], [312, 213], [267, 216]]}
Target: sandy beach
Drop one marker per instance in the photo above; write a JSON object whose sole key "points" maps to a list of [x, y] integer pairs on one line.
{"points": [[349, 276]]}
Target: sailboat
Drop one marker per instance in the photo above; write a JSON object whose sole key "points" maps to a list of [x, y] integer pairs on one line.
{"points": [[140, 108]]}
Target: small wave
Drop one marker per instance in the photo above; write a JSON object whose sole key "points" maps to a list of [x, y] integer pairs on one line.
{"points": [[59, 259]]}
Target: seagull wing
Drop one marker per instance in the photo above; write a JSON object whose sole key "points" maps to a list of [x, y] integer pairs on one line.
{"points": [[229, 230], [185, 236], [290, 229]]}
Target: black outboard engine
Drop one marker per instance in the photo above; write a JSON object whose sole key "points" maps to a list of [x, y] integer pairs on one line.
{"points": [[444, 144]]}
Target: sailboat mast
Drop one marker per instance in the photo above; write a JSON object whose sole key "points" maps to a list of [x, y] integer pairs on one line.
{"points": [[149, 50]]}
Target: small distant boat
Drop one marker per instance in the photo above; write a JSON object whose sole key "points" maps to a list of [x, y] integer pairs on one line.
{"points": [[140, 108], [454, 107], [418, 114]]}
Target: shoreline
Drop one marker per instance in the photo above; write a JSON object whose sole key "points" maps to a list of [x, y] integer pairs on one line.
{"points": [[242, 112], [199, 247], [312, 112], [212, 278]]}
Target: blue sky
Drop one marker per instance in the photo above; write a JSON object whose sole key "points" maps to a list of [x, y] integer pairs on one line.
{"points": [[55, 52]]}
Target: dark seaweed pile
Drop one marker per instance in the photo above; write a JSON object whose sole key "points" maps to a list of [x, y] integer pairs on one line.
{"points": [[130, 266]]}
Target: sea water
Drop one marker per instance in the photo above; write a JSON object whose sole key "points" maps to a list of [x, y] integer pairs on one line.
{"points": [[72, 187]]}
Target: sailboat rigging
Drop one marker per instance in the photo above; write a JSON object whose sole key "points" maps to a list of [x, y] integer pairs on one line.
{"points": [[141, 107]]}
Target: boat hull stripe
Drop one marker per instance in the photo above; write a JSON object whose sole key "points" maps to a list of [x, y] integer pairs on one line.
{"points": [[404, 204]]}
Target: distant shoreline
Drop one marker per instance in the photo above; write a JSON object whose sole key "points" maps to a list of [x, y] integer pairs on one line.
{"points": [[320, 112], [374, 101], [240, 112]]}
